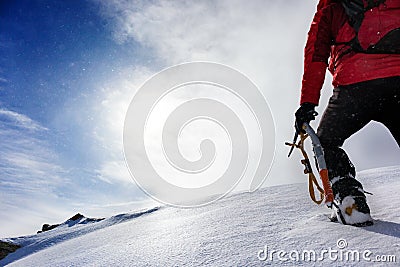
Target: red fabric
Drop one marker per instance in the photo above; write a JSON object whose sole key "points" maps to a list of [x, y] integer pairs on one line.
{"points": [[313, 78], [330, 27]]}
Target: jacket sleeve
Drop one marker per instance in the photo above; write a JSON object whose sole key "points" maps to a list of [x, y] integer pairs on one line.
{"points": [[316, 55]]}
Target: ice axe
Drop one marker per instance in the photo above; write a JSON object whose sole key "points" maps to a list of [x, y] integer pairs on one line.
{"points": [[326, 192]]}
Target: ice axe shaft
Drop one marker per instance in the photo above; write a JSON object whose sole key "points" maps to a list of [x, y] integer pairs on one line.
{"points": [[319, 156]]}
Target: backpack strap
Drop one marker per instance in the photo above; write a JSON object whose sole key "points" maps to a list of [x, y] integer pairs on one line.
{"points": [[355, 11]]}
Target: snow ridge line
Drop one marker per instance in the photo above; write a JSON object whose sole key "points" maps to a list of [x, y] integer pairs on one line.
{"points": [[35, 243]]}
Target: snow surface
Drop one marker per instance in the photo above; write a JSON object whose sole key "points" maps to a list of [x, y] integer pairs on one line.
{"points": [[231, 232]]}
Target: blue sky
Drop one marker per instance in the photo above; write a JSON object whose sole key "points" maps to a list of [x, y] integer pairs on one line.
{"points": [[55, 55], [68, 70]]}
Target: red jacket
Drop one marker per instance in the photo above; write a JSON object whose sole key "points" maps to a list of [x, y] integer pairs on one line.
{"points": [[329, 28]]}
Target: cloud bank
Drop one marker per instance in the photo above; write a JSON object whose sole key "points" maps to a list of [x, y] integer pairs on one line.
{"points": [[250, 36], [31, 178]]}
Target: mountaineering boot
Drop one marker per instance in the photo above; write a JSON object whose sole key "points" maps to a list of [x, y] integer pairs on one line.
{"points": [[350, 204]]}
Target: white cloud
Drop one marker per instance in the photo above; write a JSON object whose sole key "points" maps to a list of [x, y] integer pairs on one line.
{"points": [[263, 39], [110, 109], [114, 172], [31, 178], [20, 120], [212, 30], [2, 82]]}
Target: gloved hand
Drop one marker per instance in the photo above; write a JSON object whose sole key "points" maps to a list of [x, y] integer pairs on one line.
{"points": [[305, 113]]}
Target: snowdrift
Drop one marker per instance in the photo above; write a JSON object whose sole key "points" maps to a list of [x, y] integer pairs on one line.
{"points": [[275, 225]]}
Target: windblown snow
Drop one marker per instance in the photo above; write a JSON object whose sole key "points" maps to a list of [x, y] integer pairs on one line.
{"points": [[275, 225]]}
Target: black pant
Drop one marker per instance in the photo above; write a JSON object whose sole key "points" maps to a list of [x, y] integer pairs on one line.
{"points": [[350, 108]]}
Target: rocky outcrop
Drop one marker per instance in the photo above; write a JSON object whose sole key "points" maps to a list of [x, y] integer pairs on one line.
{"points": [[7, 248], [47, 227], [76, 219]]}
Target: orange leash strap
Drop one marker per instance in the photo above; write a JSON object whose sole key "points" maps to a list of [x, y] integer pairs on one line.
{"points": [[312, 180]]}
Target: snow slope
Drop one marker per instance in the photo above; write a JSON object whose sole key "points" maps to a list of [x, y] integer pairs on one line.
{"points": [[235, 231]]}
